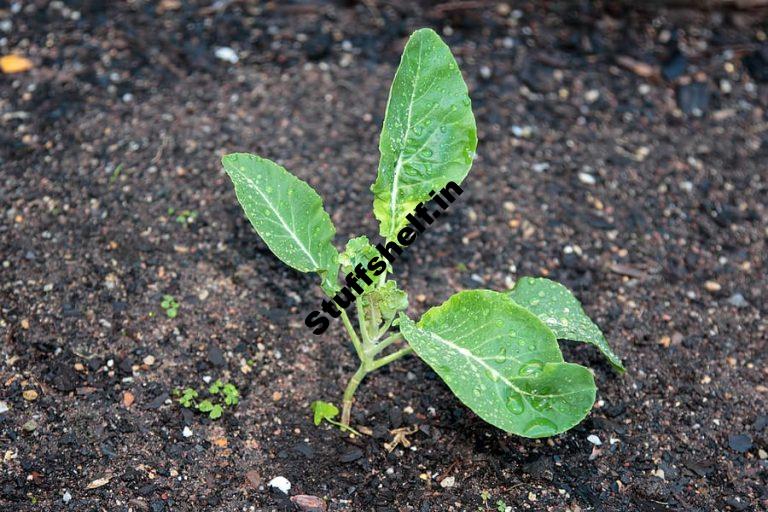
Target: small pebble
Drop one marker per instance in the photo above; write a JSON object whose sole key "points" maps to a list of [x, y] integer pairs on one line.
{"points": [[738, 300], [29, 394], [587, 178], [592, 95], [187, 432], [149, 360], [226, 54], [712, 286], [307, 503], [280, 483], [741, 443], [30, 426], [448, 482], [3, 407], [67, 497], [592, 438], [762, 454]]}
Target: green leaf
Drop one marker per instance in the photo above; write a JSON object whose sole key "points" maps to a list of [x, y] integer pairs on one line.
{"points": [[205, 406], [323, 411], [215, 387], [385, 302], [286, 212], [215, 412], [429, 136], [358, 250], [557, 307], [503, 363]]}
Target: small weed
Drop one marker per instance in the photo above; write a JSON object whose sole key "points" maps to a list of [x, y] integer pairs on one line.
{"points": [[220, 395], [184, 216], [170, 305]]}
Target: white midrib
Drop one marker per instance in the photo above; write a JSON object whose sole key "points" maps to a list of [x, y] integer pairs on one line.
{"points": [[282, 221], [469, 355], [399, 163]]}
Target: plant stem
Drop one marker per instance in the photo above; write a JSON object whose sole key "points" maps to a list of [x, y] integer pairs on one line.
{"points": [[349, 393], [363, 323], [394, 356], [379, 347], [353, 336]]}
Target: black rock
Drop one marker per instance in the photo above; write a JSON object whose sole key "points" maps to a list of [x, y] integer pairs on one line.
{"points": [[63, 376], [158, 401], [351, 455], [318, 46], [538, 78], [693, 98], [215, 356], [674, 67], [757, 64], [740, 442]]}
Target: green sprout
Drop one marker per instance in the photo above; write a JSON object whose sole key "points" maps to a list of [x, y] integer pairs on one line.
{"points": [[170, 305]]}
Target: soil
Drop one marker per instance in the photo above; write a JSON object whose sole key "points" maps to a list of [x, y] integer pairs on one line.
{"points": [[622, 151]]}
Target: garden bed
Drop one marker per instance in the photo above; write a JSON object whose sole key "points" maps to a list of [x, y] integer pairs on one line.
{"points": [[605, 161]]}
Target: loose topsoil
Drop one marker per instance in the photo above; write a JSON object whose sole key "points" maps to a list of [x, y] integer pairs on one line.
{"points": [[623, 151]]}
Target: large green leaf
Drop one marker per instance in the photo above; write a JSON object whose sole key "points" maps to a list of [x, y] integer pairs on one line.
{"points": [[503, 363], [286, 212], [557, 307], [429, 135]]}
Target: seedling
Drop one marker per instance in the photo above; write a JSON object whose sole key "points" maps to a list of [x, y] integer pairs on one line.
{"points": [[184, 216], [221, 395], [325, 411], [497, 351], [170, 305]]}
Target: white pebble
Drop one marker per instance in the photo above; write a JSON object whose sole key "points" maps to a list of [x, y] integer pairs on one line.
{"points": [[227, 54], [67, 497], [187, 432], [3, 407], [448, 482], [281, 483], [587, 178], [592, 438]]}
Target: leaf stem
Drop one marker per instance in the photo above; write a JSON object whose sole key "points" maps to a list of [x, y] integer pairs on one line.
{"points": [[353, 336], [379, 347], [394, 356]]}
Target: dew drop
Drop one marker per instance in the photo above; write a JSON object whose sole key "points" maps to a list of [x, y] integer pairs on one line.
{"points": [[515, 403], [531, 369], [427, 153], [540, 427]]}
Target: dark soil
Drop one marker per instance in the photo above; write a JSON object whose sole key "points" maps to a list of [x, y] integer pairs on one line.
{"points": [[633, 190]]}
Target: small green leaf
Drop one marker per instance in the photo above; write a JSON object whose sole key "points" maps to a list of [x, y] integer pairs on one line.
{"points": [[205, 406], [503, 363], [385, 302], [286, 212], [358, 251], [187, 397], [429, 136], [557, 307], [215, 412], [215, 387], [323, 411]]}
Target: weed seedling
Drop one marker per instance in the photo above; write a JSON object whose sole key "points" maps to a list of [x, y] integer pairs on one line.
{"points": [[220, 396], [498, 352], [170, 305]]}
